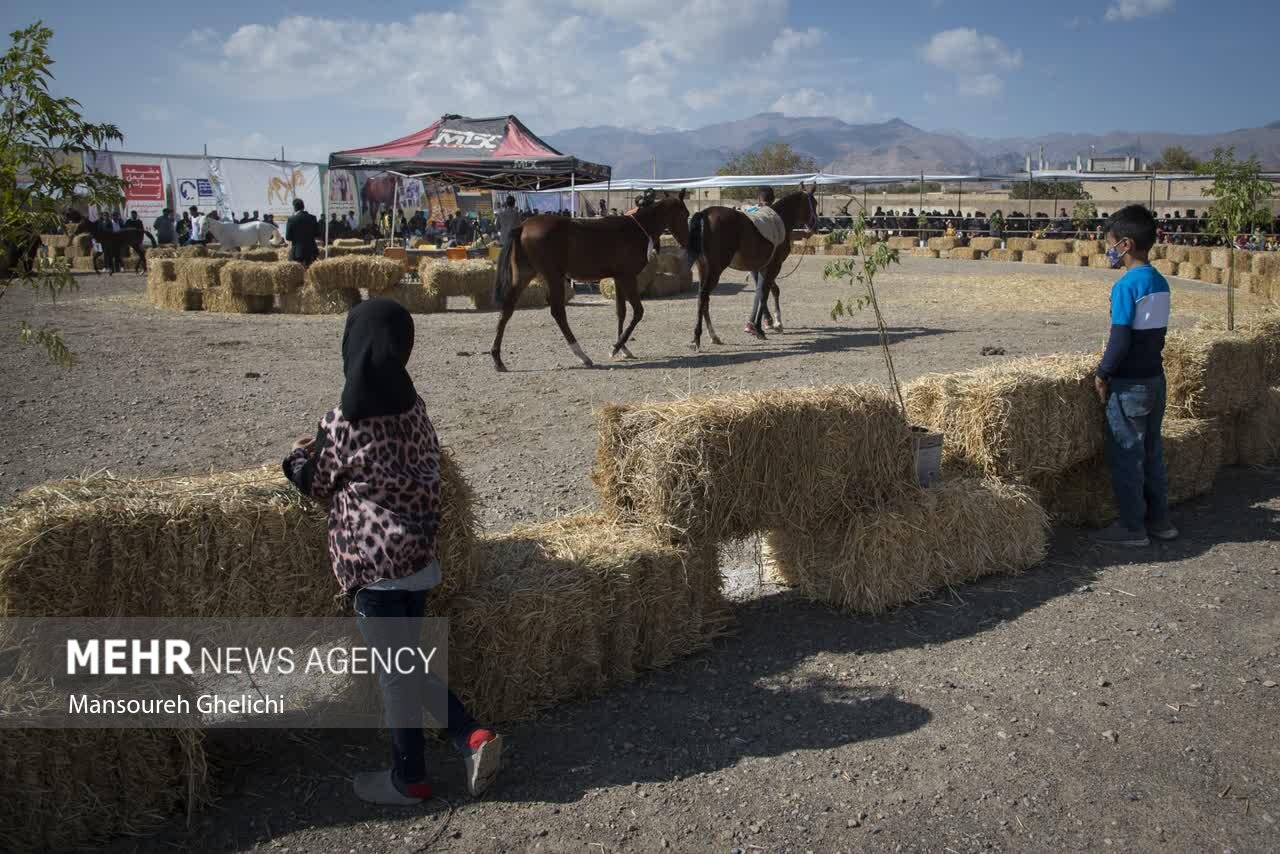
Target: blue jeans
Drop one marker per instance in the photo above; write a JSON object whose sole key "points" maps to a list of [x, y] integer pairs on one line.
{"points": [[403, 694], [1135, 450]]}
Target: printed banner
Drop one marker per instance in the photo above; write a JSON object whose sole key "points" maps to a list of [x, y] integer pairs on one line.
{"points": [[145, 193], [342, 193], [191, 184], [266, 186]]}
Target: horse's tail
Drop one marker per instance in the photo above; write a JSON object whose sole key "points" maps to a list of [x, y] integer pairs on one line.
{"points": [[507, 261], [694, 250]]}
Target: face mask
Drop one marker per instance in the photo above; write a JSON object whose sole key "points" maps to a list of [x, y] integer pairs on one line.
{"points": [[1114, 256]]}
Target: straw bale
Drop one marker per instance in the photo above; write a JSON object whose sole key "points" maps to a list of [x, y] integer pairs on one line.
{"points": [[1199, 255], [1089, 248], [199, 273], [355, 272], [1193, 453], [1036, 256], [841, 250], [71, 788], [414, 297], [1187, 270], [257, 278], [1166, 266], [81, 246], [226, 301], [463, 278], [56, 241], [1160, 250], [259, 254], [193, 250], [1071, 259], [56, 251], [231, 544], [1099, 262], [1015, 420], [1005, 255], [924, 253], [1257, 431], [949, 534], [349, 242], [1263, 263], [1176, 254], [1211, 372], [984, 244], [722, 467], [175, 296], [82, 265], [367, 249], [309, 300], [903, 242], [565, 609], [154, 252], [1022, 244], [964, 253], [941, 243], [1253, 283], [1228, 427], [1055, 247], [1212, 275]]}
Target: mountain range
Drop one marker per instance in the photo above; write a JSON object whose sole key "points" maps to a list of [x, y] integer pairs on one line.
{"points": [[886, 148]]}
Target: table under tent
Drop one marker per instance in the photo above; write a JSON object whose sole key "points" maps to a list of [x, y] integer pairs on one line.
{"points": [[498, 153]]}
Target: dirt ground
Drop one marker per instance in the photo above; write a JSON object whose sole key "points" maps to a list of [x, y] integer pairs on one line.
{"points": [[1103, 701]]}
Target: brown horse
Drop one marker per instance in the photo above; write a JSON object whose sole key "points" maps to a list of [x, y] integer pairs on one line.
{"points": [[556, 247], [116, 245], [722, 238]]}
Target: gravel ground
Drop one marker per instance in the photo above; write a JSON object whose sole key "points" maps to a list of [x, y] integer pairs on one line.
{"points": [[1104, 701]]}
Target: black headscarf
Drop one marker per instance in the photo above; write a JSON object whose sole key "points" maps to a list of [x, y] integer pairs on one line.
{"points": [[375, 350]]}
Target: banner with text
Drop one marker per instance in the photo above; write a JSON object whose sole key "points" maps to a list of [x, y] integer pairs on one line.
{"points": [[267, 187], [191, 184], [147, 178], [342, 193]]}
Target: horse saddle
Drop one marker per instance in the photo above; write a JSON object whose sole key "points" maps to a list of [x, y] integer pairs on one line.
{"points": [[768, 223]]}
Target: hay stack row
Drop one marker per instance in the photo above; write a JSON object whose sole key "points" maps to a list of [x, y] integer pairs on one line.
{"points": [[668, 274]]}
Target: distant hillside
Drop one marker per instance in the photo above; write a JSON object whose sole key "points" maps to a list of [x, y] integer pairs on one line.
{"points": [[892, 147]]}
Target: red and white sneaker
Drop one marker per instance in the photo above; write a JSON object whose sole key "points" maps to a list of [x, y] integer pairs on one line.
{"points": [[483, 758], [751, 330]]}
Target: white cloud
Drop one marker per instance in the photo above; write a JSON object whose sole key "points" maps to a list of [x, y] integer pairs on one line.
{"points": [[847, 106], [660, 63], [161, 113], [1128, 10], [974, 58]]}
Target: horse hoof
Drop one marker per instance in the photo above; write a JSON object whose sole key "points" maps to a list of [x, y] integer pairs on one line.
{"points": [[717, 341], [499, 366], [778, 328], [695, 346]]}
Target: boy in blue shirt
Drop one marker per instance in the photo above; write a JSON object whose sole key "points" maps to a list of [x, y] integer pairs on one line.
{"points": [[1130, 383]]}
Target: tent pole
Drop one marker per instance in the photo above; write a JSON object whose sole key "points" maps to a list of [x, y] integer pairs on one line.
{"points": [[328, 188], [573, 196], [395, 207]]}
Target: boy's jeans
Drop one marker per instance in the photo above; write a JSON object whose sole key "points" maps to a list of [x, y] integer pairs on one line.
{"points": [[1135, 449], [403, 695]]}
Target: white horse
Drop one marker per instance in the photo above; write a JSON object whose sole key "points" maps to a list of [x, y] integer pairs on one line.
{"points": [[234, 235]]}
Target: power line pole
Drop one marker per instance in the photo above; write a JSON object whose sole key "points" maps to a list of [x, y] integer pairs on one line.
{"points": [[655, 167]]}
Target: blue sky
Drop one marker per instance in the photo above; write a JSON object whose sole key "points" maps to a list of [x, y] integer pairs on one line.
{"points": [[246, 78]]}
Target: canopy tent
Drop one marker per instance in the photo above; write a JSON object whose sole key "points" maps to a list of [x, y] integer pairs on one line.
{"points": [[497, 153]]}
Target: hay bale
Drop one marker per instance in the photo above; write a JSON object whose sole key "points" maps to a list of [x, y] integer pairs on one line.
{"points": [[175, 296], [1071, 259], [309, 300], [1054, 247], [1016, 420], [1263, 264], [464, 278], [924, 253], [1166, 267], [565, 609], [199, 273], [257, 278], [1089, 248], [1099, 262], [1211, 275], [722, 467], [349, 242], [414, 297], [259, 254], [1256, 432], [227, 301], [235, 544], [193, 250], [1199, 255], [155, 252], [56, 241], [1212, 372], [1176, 254], [1160, 250], [949, 534], [355, 272], [984, 244], [964, 253], [1187, 270], [1036, 256], [72, 788], [364, 249], [1082, 496], [942, 243], [1022, 244], [1005, 255], [81, 246]]}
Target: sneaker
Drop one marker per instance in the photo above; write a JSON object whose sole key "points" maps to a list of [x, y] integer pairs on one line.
{"points": [[751, 330], [1119, 535], [378, 787], [482, 756], [1163, 530]]}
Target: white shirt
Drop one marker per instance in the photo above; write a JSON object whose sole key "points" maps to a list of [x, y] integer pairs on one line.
{"points": [[197, 225]]}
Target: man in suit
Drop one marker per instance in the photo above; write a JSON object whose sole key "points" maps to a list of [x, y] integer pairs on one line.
{"points": [[301, 231]]}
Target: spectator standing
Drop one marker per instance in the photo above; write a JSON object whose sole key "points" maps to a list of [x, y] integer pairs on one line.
{"points": [[166, 234], [301, 231], [508, 219]]}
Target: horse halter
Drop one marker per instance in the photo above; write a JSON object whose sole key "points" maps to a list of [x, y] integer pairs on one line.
{"points": [[652, 243]]}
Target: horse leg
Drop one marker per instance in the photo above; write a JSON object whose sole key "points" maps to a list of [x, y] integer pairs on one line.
{"points": [[620, 304], [777, 303], [629, 286], [508, 308], [556, 285], [706, 281]]}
